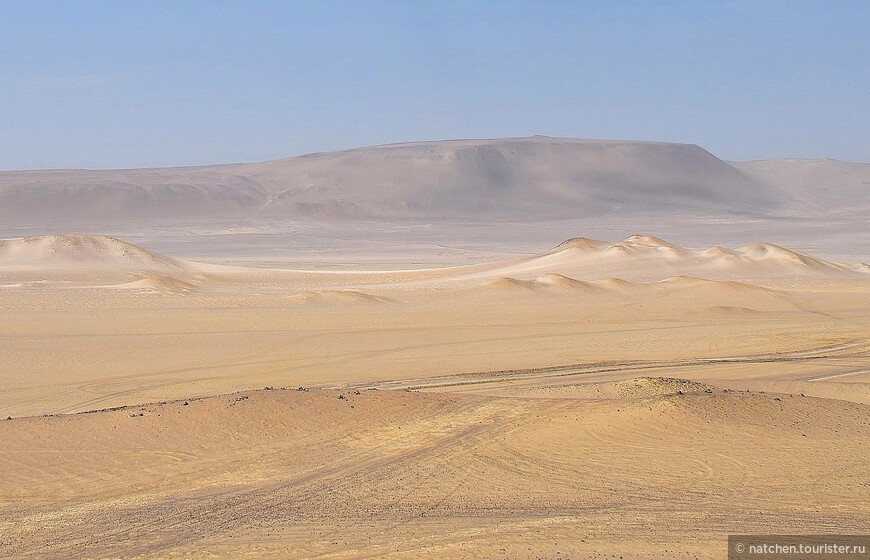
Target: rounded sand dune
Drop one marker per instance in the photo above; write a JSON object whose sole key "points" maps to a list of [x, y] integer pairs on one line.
{"points": [[72, 250]]}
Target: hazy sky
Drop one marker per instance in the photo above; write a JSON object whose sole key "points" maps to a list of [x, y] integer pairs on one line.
{"points": [[132, 84]]}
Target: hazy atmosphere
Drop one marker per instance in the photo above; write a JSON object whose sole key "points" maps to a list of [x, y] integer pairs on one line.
{"points": [[401, 280], [118, 84]]}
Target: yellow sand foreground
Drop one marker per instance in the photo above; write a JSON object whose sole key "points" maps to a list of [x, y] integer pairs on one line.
{"points": [[631, 399]]}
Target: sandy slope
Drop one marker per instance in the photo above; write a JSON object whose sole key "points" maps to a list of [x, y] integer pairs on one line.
{"points": [[586, 401], [69, 251], [80, 259], [651, 473], [819, 186]]}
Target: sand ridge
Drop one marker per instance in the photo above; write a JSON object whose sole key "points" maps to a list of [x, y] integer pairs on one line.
{"points": [[567, 473], [637, 258]]}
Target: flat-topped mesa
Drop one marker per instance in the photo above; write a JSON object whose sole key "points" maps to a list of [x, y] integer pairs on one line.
{"points": [[520, 178]]}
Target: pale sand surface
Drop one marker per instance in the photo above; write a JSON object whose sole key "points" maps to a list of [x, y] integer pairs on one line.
{"points": [[596, 400]]}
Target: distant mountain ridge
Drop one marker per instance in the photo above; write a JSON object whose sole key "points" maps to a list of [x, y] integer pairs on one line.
{"points": [[517, 178]]}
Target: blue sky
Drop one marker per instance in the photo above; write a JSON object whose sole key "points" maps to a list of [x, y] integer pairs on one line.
{"points": [[136, 84]]}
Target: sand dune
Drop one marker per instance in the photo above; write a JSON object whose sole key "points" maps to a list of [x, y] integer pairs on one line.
{"points": [[506, 283], [558, 284], [158, 283], [768, 252], [92, 260], [648, 259], [578, 264], [89, 260], [68, 251], [644, 243], [548, 282], [580, 243], [560, 281], [689, 282], [728, 310], [342, 297]]}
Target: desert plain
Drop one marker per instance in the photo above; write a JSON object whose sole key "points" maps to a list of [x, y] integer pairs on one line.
{"points": [[441, 376]]}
